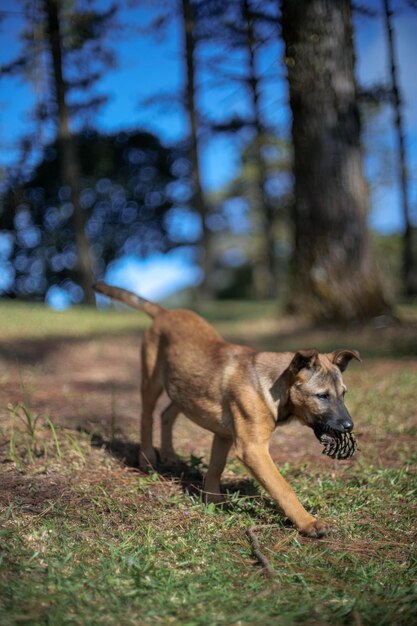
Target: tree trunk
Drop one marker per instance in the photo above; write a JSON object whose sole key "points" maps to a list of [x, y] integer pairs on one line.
{"points": [[410, 282], [70, 168], [198, 196], [266, 271], [335, 278]]}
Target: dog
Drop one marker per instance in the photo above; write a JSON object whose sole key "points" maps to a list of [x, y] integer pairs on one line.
{"points": [[238, 394]]}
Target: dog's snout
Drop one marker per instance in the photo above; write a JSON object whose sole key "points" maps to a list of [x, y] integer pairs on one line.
{"points": [[347, 425]]}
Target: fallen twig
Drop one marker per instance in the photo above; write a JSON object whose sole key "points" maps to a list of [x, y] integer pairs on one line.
{"points": [[256, 548]]}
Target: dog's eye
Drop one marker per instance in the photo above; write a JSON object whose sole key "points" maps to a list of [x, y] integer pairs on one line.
{"points": [[322, 396]]}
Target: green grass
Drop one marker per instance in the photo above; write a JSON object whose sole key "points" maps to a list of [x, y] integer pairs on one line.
{"points": [[259, 324], [35, 321], [132, 552], [87, 541]]}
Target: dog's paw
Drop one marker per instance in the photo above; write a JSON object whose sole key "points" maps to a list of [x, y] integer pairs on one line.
{"points": [[316, 528]]}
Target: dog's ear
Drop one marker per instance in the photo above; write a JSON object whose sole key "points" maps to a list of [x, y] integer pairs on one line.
{"points": [[342, 358], [303, 359]]}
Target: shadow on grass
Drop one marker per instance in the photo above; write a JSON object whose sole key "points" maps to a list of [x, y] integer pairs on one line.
{"points": [[187, 474], [34, 351], [397, 340]]}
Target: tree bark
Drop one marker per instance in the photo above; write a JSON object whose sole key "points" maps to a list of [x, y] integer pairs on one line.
{"points": [[335, 277], [410, 282], [199, 199], [70, 168]]}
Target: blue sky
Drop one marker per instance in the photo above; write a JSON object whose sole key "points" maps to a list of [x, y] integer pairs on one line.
{"points": [[147, 66]]}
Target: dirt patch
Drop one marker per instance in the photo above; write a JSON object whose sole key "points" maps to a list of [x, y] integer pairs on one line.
{"points": [[30, 492]]}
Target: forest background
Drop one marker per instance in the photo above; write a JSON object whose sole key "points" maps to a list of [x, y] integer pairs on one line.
{"points": [[152, 146]]}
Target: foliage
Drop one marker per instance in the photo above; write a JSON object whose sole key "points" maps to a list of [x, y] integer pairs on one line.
{"points": [[238, 209], [130, 184], [85, 57], [228, 43]]}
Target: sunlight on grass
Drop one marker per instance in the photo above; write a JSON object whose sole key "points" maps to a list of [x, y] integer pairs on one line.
{"points": [[35, 321]]}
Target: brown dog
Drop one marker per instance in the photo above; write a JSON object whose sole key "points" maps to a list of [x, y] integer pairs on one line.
{"points": [[237, 393]]}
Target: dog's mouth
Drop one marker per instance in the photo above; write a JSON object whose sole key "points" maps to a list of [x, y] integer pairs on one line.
{"points": [[337, 445]]}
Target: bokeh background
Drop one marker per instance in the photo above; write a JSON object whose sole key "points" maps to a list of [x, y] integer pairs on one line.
{"points": [[150, 143]]}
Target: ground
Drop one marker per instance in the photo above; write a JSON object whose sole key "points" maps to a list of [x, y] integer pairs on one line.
{"points": [[88, 539]]}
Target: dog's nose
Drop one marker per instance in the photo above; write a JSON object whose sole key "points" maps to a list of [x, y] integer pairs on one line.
{"points": [[347, 425]]}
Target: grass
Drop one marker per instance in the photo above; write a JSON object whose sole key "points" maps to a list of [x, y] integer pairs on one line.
{"points": [[85, 540], [259, 323], [123, 549], [34, 321]]}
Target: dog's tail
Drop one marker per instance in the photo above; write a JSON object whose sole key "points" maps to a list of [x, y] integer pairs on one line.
{"points": [[151, 308]]}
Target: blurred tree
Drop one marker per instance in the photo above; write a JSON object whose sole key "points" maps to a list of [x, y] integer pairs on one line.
{"points": [[395, 168], [246, 28], [215, 32], [409, 264], [127, 192], [335, 277], [239, 221], [70, 165], [199, 200], [66, 40], [190, 15], [266, 284]]}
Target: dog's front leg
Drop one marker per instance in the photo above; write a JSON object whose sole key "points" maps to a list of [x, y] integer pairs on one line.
{"points": [[257, 459]]}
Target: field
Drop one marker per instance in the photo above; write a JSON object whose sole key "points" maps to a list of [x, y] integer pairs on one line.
{"points": [[87, 539]]}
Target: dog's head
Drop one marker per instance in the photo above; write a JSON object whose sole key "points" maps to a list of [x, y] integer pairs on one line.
{"points": [[317, 390]]}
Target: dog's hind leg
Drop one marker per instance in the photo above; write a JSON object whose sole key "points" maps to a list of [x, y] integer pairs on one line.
{"points": [[219, 451], [168, 417], [150, 395], [151, 389]]}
